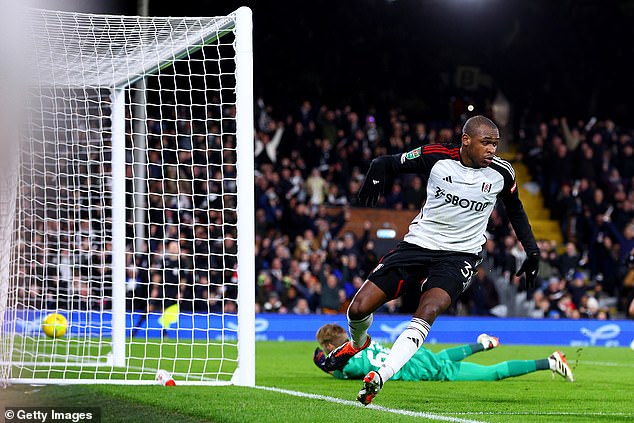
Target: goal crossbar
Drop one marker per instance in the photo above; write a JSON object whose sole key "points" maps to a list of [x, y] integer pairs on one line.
{"points": [[183, 35]]}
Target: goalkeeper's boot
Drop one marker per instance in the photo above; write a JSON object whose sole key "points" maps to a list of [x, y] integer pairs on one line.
{"points": [[488, 341], [338, 358], [559, 365], [372, 384]]}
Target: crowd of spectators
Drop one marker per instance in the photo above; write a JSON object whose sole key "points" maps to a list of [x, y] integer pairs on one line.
{"points": [[585, 171], [315, 159], [309, 166]]}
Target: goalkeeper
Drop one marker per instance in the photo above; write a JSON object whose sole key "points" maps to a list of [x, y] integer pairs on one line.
{"points": [[447, 365]]}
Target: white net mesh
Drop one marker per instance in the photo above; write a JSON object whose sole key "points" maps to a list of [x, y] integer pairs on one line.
{"points": [[170, 85]]}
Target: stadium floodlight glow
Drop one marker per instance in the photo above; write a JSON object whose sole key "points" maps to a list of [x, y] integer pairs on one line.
{"points": [[130, 195]]}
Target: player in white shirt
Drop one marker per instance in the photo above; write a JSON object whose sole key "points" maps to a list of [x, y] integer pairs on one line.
{"points": [[438, 256]]}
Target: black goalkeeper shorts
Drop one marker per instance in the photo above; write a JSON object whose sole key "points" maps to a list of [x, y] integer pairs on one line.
{"points": [[410, 268]]}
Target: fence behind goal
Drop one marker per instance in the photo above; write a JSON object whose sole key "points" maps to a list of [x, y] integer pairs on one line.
{"points": [[133, 213]]}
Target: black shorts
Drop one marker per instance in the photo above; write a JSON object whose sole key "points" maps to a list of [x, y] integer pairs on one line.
{"points": [[410, 268]]}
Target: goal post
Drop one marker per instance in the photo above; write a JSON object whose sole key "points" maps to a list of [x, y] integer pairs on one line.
{"points": [[245, 202], [132, 212]]}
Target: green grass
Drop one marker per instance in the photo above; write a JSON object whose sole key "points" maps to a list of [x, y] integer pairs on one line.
{"points": [[602, 392]]}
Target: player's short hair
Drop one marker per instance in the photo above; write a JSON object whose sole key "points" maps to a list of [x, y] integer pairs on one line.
{"points": [[473, 124], [331, 333]]}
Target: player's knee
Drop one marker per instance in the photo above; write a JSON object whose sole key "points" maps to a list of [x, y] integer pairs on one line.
{"points": [[356, 311]]}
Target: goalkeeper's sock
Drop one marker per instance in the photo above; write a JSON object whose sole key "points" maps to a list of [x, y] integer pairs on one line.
{"points": [[522, 367], [404, 348], [476, 348], [359, 330], [458, 353], [543, 364]]}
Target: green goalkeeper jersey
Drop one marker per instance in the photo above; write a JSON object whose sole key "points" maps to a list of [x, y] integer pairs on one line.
{"points": [[424, 365]]}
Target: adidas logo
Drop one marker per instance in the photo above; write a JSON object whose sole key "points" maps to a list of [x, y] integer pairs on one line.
{"points": [[415, 341], [447, 178], [374, 181]]}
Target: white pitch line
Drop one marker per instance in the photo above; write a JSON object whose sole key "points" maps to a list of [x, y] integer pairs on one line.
{"points": [[603, 363], [371, 406]]}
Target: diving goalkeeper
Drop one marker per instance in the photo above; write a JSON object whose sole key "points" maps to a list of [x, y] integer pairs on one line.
{"points": [[447, 365]]}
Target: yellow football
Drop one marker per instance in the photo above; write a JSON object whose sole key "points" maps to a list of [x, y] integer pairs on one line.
{"points": [[54, 325]]}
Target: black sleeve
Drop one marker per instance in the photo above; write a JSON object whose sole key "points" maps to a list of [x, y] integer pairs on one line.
{"points": [[516, 214], [420, 160], [384, 168]]}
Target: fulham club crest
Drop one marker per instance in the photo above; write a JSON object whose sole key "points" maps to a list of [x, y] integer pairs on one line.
{"points": [[486, 187]]}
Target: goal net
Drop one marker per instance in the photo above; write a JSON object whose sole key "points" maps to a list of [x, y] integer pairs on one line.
{"points": [[132, 215]]}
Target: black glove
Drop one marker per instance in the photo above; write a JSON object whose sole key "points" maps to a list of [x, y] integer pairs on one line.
{"points": [[373, 184], [319, 358], [531, 268]]}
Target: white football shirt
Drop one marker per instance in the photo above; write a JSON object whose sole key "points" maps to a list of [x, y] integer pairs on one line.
{"points": [[460, 200]]}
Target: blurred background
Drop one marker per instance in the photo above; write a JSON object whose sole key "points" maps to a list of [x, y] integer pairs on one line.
{"points": [[433, 57]]}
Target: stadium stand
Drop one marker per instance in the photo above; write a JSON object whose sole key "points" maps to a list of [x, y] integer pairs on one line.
{"points": [[583, 238], [315, 247]]}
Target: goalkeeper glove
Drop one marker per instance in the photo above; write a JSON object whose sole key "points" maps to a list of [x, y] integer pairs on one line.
{"points": [[319, 358], [373, 184], [531, 268]]}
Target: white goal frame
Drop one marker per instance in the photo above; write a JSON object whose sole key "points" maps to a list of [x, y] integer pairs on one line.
{"points": [[117, 81]]}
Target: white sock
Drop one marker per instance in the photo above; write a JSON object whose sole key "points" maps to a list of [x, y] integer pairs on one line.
{"points": [[404, 348], [359, 330]]}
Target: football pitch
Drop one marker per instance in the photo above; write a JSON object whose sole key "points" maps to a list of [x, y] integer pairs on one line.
{"points": [[291, 389]]}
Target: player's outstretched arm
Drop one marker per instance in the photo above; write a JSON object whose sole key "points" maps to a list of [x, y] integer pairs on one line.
{"points": [[519, 220]]}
